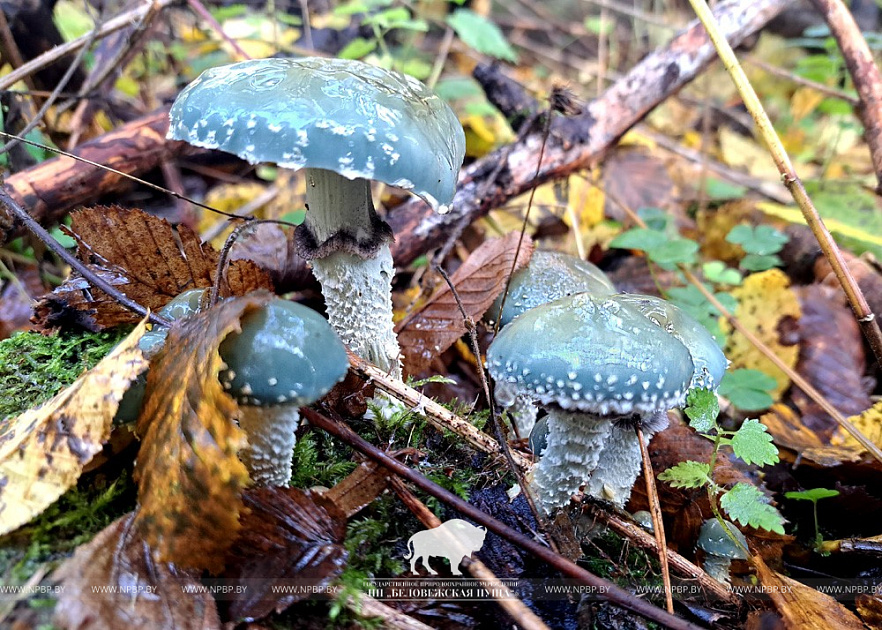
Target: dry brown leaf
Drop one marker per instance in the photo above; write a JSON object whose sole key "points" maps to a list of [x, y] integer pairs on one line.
{"points": [[145, 258], [637, 179], [43, 451], [431, 330], [790, 433], [189, 477], [831, 358], [289, 537], [801, 606], [148, 594], [359, 488]]}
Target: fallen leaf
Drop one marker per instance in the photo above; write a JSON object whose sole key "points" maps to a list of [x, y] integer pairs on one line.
{"points": [[44, 450], [189, 477], [145, 258], [790, 433], [637, 179], [16, 300], [434, 328], [289, 538], [831, 358], [143, 594], [802, 606], [869, 422], [359, 488], [765, 301], [271, 247]]}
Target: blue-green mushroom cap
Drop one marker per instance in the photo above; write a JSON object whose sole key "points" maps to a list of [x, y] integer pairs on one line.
{"points": [[179, 307], [341, 115], [591, 354], [286, 354], [709, 360], [549, 276]]}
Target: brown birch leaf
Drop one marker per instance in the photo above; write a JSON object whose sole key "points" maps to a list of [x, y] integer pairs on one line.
{"points": [[143, 256], [190, 479], [434, 328], [44, 450], [290, 548], [113, 582]]}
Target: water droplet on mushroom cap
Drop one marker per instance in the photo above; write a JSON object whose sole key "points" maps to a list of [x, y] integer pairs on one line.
{"points": [[332, 114], [592, 354]]}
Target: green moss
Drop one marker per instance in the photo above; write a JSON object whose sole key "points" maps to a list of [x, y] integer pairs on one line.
{"points": [[34, 367], [613, 558]]}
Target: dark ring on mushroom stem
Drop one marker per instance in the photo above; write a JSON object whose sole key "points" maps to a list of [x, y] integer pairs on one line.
{"points": [[650, 424], [343, 240]]}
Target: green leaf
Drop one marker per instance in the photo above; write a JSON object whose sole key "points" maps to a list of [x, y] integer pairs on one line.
{"points": [[812, 495], [759, 262], [688, 474], [745, 504], [639, 238], [762, 239], [748, 389], [717, 271], [702, 409], [674, 251], [357, 48], [719, 189], [481, 34], [753, 444]]}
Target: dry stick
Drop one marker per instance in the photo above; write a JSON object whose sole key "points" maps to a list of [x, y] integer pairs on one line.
{"points": [[643, 539], [798, 80], [865, 317], [864, 73], [40, 232], [657, 522], [202, 12], [436, 414], [508, 601], [571, 569], [50, 56], [755, 341]]}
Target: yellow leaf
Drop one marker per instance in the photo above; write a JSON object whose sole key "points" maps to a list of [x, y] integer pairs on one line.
{"points": [[764, 300], [869, 423], [189, 476], [586, 199], [738, 150], [804, 102], [43, 451]]}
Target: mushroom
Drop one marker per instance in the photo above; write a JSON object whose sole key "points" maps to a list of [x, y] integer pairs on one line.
{"points": [[285, 356], [345, 122], [720, 549], [590, 362], [549, 276]]}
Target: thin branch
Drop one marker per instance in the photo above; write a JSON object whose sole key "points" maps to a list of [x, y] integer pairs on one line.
{"points": [[657, 523], [865, 317], [565, 566]]}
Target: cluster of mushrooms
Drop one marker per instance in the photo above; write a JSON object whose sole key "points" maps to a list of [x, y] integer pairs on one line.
{"points": [[594, 361]]}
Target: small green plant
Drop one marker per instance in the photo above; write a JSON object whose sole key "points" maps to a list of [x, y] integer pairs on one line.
{"points": [[814, 495], [761, 243], [747, 389], [751, 443]]}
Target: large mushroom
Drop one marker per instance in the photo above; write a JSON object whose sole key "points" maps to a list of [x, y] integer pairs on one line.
{"points": [[345, 122], [549, 276], [590, 362], [285, 356]]}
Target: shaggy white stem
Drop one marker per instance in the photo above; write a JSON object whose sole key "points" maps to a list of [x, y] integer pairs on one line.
{"points": [[271, 438], [617, 468], [358, 296], [575, 442], [337, 203]]}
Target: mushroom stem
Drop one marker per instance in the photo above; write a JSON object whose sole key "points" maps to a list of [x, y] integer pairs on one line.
{"points": [[575, 443], [269, 455], [349, 248], [617, 466], [358, 296]]}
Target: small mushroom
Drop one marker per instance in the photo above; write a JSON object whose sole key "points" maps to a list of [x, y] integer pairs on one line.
{"points": [[549, 276], [285, 356], [345, 122], [593, 364], [719, 549]]}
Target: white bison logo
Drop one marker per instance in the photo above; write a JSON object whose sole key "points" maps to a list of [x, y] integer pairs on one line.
{"points": [[455, 540]]}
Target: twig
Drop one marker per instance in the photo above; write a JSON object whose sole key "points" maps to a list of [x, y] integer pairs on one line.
{"points": [[437, 415], [842, 95], [611, 591], [657, 522], [223, 258], [865, 317], [520, 614], [641, 538], [40, 232], [50, 56], [200, 10], [864, 73]]}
